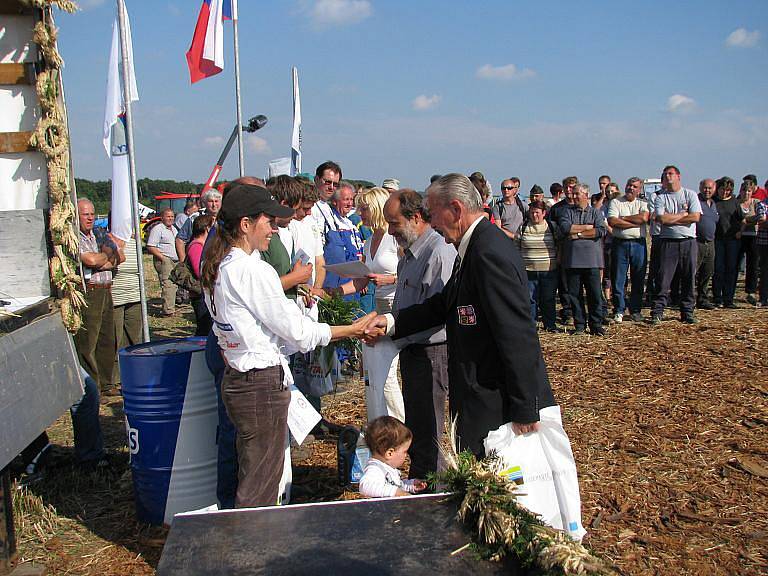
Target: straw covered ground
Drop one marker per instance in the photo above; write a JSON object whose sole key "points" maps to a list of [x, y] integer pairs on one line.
{"points": [[668, 425]]}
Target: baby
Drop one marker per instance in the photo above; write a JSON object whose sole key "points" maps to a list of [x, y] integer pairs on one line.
{"points": [[388, 440]]}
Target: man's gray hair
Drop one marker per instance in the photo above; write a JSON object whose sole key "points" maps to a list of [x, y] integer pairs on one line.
{"points": [[343, 184], [457, 187], [211, 194], [582, 186], [633, 180]]}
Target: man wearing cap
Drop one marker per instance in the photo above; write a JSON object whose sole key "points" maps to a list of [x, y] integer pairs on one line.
{"points": [[535, 195], [757, 193], [391, 184], [510, 212]]}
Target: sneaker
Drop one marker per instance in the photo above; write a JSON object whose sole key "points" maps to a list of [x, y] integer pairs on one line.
{"points": [[730, 306], [637, 317], [618, 318], [579, 332], [656, 320], [689, 320], [751, 299], [705, 306], [597, 331]]}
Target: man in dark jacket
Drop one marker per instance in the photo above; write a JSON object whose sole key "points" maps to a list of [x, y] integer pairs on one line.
{"points": [[496, 372]]}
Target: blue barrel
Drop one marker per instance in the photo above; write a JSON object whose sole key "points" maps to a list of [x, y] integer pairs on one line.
{"points": [[171, 418]]}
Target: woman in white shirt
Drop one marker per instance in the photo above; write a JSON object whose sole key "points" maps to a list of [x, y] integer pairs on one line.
{"points": [[380, 253], [257, 327]]}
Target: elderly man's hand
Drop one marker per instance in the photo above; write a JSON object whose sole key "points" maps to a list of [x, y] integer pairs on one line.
{"points": [[524, 428], [375, 330]]}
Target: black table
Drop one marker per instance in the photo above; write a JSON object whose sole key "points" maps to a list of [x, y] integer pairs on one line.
{"points": [[399, 536]]}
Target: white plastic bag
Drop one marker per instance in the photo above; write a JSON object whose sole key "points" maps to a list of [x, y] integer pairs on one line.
{"points": [[311, 374], [542, 465]]}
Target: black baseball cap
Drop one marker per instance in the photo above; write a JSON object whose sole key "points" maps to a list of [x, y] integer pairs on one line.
{"points": [[249, 200]]}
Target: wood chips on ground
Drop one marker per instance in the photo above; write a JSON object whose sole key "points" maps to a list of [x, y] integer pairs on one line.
{"points": [[669, 427]]}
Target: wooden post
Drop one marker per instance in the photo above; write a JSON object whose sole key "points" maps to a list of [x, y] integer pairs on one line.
{"points": [[7, 531]]}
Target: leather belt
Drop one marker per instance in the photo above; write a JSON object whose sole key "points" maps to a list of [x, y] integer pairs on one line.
{"points": [[94, 286]]}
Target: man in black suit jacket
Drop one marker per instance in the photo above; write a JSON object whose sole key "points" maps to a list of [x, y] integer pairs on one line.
{"points": [[496, 372]]}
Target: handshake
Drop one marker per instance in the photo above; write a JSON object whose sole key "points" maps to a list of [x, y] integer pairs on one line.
{"points": [[369, 328]]}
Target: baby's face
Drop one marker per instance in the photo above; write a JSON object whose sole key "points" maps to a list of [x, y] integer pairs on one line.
{"points": [[396, 456]]}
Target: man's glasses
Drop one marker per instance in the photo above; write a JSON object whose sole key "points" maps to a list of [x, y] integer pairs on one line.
{"points": [[330, 183], [510, 187]]}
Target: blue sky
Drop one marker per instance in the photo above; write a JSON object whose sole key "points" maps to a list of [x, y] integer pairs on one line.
{"points": [[408, 89]]}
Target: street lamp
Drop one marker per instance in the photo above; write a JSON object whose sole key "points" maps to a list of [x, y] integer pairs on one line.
{"points": [[255, 123]]}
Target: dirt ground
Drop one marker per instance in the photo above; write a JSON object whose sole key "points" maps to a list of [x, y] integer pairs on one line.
{"points": [[668, 426]]}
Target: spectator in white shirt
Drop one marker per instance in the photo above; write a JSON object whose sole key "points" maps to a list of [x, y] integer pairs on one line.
{"points": [[162, 245]]}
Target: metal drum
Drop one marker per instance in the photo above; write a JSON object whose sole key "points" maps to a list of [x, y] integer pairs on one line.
{"points": [[171, 420]]}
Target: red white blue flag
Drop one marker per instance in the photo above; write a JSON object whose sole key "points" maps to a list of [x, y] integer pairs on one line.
{"points": [[205, 56]]}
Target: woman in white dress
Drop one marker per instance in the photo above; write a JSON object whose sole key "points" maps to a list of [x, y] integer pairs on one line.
{"points": [[381, 254]]}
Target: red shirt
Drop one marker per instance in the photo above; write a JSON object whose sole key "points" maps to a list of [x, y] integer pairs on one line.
{"points": [[760, 194]]}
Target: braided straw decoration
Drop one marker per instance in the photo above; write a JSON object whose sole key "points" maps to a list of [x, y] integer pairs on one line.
{"points": [[45, 36], [52, 139], [64, 5]]}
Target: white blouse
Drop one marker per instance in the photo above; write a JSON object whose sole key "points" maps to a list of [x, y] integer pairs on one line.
{"points": [[255, 324], [384, 262]]}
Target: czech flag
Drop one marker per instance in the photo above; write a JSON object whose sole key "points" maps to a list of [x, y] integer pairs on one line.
{"points": [[205, 56]]}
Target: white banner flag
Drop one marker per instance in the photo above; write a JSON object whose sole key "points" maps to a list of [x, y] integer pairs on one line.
{"points": [[296, 137], [114, 138]]}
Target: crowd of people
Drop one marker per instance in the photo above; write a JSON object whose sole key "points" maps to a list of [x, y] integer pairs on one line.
{"points": [[455, 290]]}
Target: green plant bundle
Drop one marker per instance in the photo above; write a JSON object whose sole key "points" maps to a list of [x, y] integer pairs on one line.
{"points": [[501, 526], [335, 311]]}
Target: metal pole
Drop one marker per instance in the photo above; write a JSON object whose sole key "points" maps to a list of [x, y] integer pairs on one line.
{"points": [[237, 90], [121, 17]]}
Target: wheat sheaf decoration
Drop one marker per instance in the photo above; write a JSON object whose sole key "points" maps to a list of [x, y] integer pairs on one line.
{"points": [[499, 525], [51, 138]]}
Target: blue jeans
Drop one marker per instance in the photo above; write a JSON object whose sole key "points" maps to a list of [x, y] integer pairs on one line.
{"points": [[726, 270], [628, 256], [226, 480], [89, 443], [542, 287]]}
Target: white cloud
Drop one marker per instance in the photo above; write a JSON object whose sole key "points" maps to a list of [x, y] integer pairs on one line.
{"points": [[256, 144], [339, 12], [213, 141], [680, 104], [508, 72], [424, 102], [174, 10], [742, 38]]}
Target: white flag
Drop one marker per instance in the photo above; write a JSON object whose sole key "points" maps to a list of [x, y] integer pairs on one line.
{"points": [[296, 137], [115, 142]]}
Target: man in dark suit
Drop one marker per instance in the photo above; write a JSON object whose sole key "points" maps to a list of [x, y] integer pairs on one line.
{"points": [[496, 372]]}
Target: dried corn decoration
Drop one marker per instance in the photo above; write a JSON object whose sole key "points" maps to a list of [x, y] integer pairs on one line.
{"points": [[51, 138]]}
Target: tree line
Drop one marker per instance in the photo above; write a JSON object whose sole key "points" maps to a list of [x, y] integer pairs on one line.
{"points": [[100, 191]]}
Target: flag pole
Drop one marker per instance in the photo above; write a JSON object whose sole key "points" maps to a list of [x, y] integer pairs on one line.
{"points": [[237, 90], [125, 73]]}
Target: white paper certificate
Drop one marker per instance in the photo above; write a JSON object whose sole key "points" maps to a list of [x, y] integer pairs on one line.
{"points": [[354, 269], [302, 416]]}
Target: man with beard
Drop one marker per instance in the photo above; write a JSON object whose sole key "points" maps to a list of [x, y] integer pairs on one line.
{"points": [[423, 270]]}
